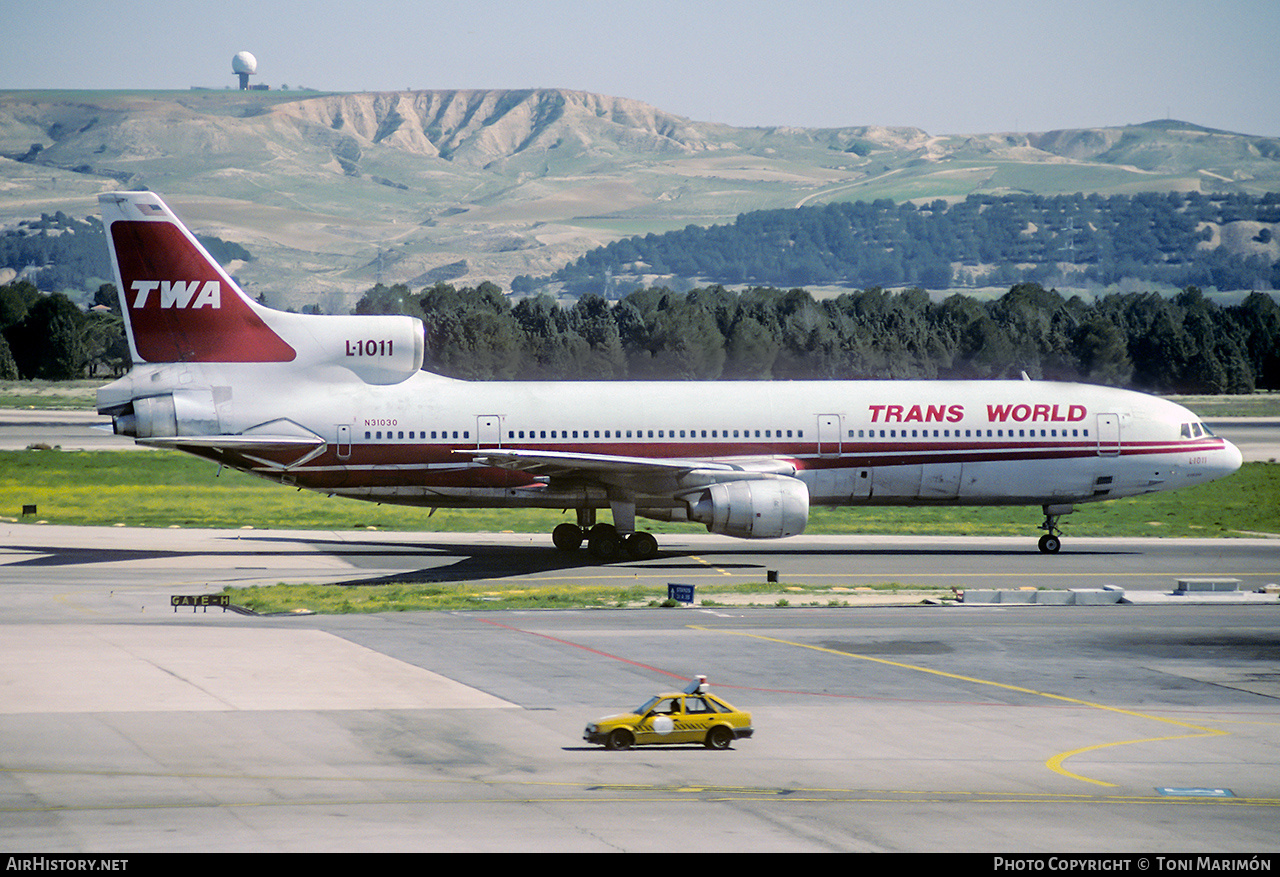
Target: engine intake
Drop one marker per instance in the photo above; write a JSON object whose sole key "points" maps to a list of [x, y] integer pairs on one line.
{"points": [[767, 508]]}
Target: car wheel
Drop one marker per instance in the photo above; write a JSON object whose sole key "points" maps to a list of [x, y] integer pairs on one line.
{"points": [[618, 739], [719, 738]]}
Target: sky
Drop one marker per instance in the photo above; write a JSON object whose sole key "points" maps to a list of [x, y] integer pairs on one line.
{"points": [[947, 67]]}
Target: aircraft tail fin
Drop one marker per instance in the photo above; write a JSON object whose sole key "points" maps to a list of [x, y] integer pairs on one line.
{"points": [[180, 306], [179, 303]]}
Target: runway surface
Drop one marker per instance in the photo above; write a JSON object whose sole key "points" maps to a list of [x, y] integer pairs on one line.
{"points": [[127, 727]]}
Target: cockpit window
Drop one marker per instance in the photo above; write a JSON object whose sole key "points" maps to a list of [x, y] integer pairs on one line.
{"points": [[1186, 430]]}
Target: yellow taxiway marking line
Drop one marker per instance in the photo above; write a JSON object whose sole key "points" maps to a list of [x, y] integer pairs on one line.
{"points": [[1055, 763], [712, 565]]}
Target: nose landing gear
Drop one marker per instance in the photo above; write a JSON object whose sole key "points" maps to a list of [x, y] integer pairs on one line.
{"points": [[1051, 541]]}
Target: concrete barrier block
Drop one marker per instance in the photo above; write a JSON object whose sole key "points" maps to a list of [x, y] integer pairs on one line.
{"points": [[1207, 586], [1097, 596]]}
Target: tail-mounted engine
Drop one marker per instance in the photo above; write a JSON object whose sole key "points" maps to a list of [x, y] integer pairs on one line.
{"points": [[379, 349], [183, 412]]}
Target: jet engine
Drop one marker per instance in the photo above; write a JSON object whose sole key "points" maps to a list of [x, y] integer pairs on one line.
{"points": [[767, 508], [182, 412], [379, 349]]}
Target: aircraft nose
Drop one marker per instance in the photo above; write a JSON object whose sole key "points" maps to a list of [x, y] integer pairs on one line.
{"points": [[1230, 459]]}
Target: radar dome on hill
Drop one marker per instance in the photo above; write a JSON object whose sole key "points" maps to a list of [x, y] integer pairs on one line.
{"points": [[244, 65]]}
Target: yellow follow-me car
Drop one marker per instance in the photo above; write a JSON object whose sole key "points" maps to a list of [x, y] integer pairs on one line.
{"points": [[691, 716]]}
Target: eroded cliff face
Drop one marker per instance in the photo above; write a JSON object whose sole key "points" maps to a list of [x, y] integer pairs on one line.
{"points": [[478, 127], [334, 192]]}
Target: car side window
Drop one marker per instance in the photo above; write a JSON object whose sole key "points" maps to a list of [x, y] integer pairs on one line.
{"points": [[667, 706], [697, 705]]}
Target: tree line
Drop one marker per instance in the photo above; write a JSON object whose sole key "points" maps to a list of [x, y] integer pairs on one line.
{"points": [[1184, 344], [48, 336], [984, 240]]}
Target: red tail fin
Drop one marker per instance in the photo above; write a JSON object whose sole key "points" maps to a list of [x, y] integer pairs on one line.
{"points": [[179, 305]]}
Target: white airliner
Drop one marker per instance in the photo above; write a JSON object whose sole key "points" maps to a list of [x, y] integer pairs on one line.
{"points": [[340, 405]]}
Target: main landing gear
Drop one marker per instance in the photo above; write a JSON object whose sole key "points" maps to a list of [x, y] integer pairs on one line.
{"points": [[603, 540], [1051, 541]]}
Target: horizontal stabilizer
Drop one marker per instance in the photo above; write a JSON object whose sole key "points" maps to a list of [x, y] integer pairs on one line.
{"points": [[237, 442]]}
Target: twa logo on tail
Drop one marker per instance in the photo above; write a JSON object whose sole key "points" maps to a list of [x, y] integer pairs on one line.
{"points": [[180, 306], [177, 294]]}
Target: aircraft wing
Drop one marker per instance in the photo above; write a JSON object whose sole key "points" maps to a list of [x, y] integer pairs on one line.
{"points": [[610, 467]]}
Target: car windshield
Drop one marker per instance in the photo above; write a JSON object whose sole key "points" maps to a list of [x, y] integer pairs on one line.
{"points": [[646, 706]]}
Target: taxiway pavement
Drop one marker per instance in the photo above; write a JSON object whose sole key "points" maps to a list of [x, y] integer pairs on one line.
{"points": [[128, 727]]}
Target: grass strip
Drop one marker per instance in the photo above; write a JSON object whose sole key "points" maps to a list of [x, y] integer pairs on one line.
{"points": [[170, 489], [404, 597]]}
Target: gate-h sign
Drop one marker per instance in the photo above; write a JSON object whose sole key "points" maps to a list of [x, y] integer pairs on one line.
{"points": [[194, 600]]}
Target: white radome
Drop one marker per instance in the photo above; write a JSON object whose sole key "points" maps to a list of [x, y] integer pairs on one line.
{"points": [[244, 62]]}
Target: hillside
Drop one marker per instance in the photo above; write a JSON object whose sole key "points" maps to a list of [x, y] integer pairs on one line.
{"points": [[333, 191]]}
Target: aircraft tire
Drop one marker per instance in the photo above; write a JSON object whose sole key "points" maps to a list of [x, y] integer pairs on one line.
{"points": [[1049, 544], [603, 542], [642, 546], [567, 537]]}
